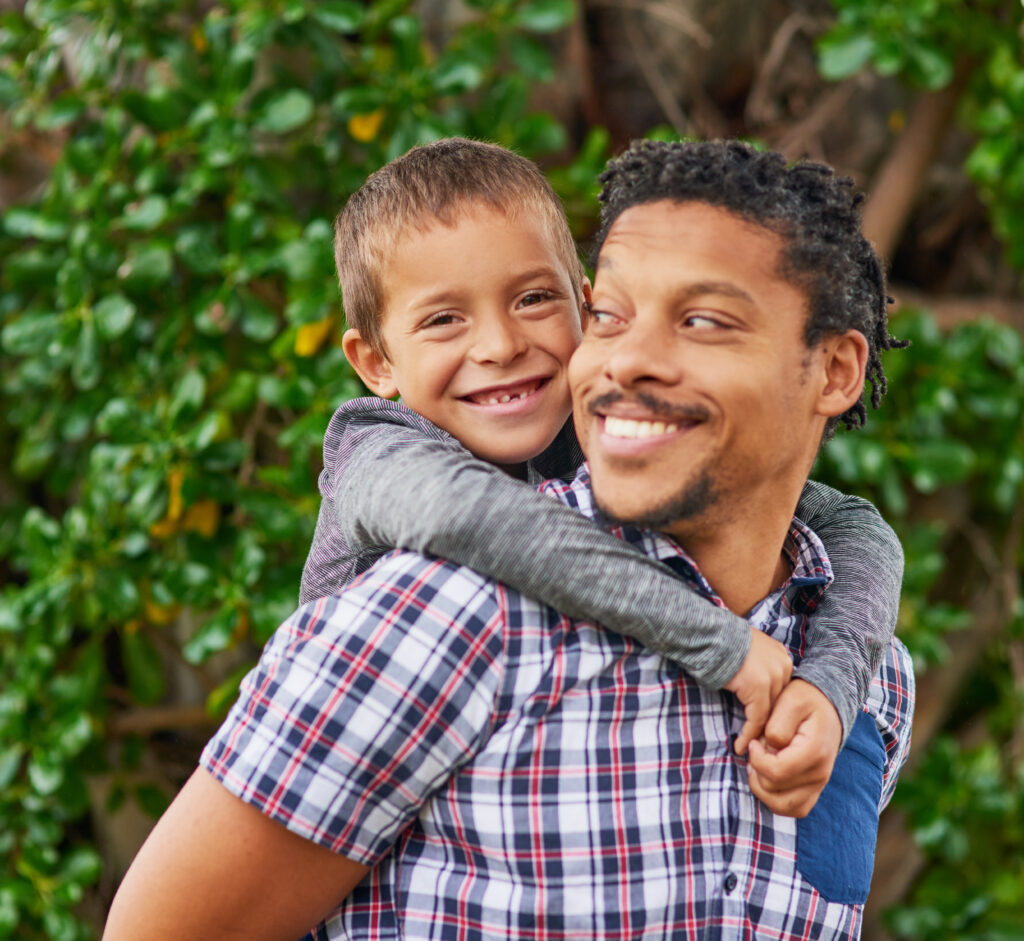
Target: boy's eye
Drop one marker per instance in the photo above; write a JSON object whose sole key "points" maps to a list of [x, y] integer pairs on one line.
{"points": [[440, 319], [533, 298]]}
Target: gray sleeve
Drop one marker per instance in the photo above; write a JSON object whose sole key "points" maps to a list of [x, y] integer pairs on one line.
{"points": [[405, 486], [856, 617]]}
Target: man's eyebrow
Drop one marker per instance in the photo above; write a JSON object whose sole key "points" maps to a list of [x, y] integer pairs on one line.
{"points": [[722, 288]]}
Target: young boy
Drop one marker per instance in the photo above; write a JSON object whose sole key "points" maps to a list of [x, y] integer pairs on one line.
{"points": [[463, 291]]}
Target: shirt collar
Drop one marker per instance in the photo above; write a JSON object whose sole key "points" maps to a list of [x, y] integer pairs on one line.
{"points": [[811, 569]]}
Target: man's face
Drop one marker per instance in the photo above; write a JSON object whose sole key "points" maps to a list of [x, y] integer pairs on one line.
{"points": [[690, 389]]}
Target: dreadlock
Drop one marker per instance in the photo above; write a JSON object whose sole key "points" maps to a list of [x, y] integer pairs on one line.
{"points": [[813, 210]]}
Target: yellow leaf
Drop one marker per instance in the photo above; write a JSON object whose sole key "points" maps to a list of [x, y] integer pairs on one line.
{"points": [[364, 127], [164, 528], [199, 42], [175, 478], [311, 336], [160, 614], [202, 517]]}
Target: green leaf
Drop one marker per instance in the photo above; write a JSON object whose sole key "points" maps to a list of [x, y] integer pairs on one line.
{"points": [[213, 637], [85, 368], [531, 57], [286, 111], [224, 695], [146, 214], [359, 99], [343, 16], [545, 16], [151, 799], [45, 773], [455, 76], [114, 315], [10, 764], [144, 667], [82, 865], [189, 394], [30, 334], [147, 267], [840, 56], [929, 66], [26, 223]]}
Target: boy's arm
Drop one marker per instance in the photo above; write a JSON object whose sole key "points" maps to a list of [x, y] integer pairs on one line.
{"points": [[216, 868], [853, 625], [397, 480]]}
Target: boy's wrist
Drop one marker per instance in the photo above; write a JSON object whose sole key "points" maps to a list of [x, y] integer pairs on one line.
{"points": [[838, 687]]}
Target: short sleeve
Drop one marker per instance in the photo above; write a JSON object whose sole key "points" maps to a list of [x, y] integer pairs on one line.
{"points": [[891, 702], [364, 704]]}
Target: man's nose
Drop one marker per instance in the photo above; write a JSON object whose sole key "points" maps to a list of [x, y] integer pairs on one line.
{"points": [[643, 353], [498, 339]]}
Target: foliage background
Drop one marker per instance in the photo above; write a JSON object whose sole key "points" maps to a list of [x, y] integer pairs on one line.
{"points": [[169, 360]]}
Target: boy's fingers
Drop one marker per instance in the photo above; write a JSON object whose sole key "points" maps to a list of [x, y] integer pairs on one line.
{"points": [[801, 764], [793, 802], [756, 713]]}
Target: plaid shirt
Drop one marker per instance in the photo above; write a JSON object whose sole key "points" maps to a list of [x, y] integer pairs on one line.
{"points": [[510, 773]]}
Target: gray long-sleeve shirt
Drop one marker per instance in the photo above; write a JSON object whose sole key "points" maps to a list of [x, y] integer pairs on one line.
{"points": [[392, 478]]}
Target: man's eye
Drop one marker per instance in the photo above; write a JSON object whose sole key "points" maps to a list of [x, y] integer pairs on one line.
{"points": [[603, 318], [702, 322]]}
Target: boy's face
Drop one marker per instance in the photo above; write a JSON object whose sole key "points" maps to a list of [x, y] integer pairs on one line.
{"points": [[480, 321]]}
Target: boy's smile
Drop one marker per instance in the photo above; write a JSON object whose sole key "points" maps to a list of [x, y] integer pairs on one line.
{"points": [[480, 320]]}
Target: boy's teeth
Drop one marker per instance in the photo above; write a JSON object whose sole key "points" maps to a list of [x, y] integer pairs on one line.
{"points": [[502, 398], [628, 428]]}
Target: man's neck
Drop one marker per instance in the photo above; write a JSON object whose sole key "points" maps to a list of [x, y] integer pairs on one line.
{"points": [[741, 556]]}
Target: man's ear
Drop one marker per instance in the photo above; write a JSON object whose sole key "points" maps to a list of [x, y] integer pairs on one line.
{"points": [[845, 358], [371, 365], [586, 295]]}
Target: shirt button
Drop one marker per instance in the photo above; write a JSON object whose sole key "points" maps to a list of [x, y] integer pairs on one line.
{"points": [[730, 882]]}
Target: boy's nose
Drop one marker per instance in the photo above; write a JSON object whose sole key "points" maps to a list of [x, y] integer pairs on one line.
{"points": [[498, 340]]}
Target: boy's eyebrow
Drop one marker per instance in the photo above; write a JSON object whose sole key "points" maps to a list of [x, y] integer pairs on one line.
{"points": [[541, 271]]}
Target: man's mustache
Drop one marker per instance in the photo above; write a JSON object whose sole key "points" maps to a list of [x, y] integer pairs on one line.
{"points": [[666, 410]]}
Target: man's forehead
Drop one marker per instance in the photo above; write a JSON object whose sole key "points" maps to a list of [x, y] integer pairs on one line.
{"points": [[666, 227]]}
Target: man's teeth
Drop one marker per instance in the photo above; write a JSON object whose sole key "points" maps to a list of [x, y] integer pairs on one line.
{"points": [[628, 428]]}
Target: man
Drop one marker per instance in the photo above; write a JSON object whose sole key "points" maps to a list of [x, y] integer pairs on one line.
{"points": [[508, 772]]}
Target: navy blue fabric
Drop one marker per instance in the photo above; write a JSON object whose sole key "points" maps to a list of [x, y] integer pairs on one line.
{"points": [[835, 842]]}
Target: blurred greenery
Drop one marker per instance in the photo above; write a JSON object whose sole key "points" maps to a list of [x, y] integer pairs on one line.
{"points": [[169, 361]]}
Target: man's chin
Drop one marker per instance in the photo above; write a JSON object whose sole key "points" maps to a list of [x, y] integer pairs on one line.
{"points": [[687, 505]]}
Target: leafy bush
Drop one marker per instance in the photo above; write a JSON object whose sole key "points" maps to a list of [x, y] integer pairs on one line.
{"points": [[956, 430], [167, 355]]}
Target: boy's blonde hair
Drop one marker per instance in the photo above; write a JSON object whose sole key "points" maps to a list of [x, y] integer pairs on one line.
{"points": [[434, 183]]}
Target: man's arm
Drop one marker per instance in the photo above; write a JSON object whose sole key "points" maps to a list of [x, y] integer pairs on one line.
{"points": [[853, 625], [216, 868]]}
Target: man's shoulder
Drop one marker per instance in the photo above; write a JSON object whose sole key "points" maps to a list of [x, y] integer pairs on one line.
{"points": [[408, 587]]}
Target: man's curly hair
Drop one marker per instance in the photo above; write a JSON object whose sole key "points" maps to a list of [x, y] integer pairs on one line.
{"points": [[813, 210]]}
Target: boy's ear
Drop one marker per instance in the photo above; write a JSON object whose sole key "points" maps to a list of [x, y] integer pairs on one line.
{"points": [[371, 365], [844, 365]]}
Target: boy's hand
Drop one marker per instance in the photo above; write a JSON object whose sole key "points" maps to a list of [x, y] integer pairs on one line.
{"points": [[757, 684], [790, 769]]}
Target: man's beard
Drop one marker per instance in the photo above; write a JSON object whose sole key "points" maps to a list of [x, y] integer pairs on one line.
{"points": [[693, 500]]}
